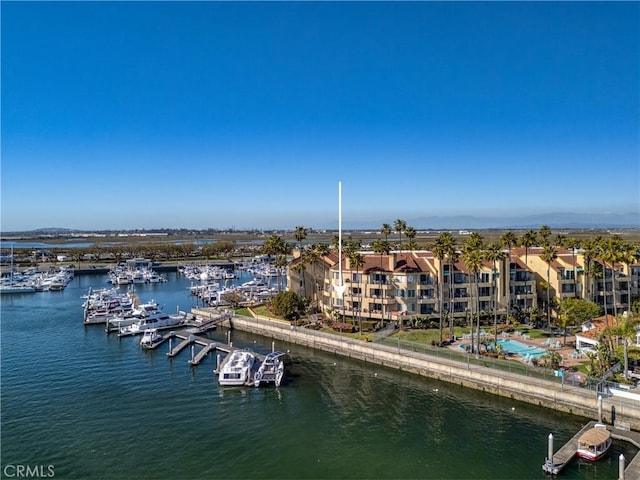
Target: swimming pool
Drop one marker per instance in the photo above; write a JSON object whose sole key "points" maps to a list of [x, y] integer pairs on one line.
{"points": [[517, 348], [520, 348]]}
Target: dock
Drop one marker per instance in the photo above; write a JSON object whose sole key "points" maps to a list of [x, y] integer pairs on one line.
{"points": [[560, 459]]}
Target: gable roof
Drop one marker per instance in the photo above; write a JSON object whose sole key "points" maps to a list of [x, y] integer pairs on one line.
{"points": [[599, 324]]}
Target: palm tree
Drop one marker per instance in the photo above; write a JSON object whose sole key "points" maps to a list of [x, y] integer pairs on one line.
{"points": [[509, 240], [280, 262], [410, 233], [629, 255], [560, 240], [494, 253], [381, 247], [612, 253], [386, 231], [322, 250], [440, 252], [472, 257], [545, 233], [300, 234], [528, 240], [274, 246], [300, 267], [548, 255], [357, 261], [590, 249], [602, 256], [573, 243], [626, 329], [400, 226], [312, 257]]}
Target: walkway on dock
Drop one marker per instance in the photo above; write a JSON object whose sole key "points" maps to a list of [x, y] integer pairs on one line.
{"points": [[209, 318], [562, 457]]}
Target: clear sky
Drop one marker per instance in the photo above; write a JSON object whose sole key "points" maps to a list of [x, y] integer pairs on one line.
{"points": [[122, 115]]}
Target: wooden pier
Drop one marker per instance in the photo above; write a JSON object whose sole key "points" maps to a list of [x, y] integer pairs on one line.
{"points": [[560, 459]]}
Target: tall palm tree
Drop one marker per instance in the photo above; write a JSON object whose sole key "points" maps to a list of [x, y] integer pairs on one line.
{"points": [[300, 234], [449, 245], [612, 253], [386, 231], [410, 233], [322, 250], [560, 240], [381, 247], [357, 261], [527, 241], [400, 226], [440, 252], [603, 255], [545, 233], [590, 250], [573, 244], [300, 267], [280, 262], [629, 255], [509, 240], [495, 254], [472, 257], [311, 257], [548, 255]]}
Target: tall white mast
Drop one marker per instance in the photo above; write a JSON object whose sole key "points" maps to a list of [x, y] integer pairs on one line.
{"points": [[340, 288], [340, 230]]}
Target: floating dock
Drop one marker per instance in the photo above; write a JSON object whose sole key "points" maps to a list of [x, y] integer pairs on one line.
{"points": [[560, 459]]}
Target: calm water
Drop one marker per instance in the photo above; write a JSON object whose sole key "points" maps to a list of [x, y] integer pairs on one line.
{"points": [[95, 406]]}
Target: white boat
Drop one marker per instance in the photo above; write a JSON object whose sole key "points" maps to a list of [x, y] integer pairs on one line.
{"points": [[150, 338], [271, 370], [236, 369], [156, 320], [594, 443], [16, 288]]}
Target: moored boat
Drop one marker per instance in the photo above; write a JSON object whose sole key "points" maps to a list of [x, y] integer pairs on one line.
{"points": [[236, 370], [271, 370], [150, 338], [594, 443], [153, 321]]}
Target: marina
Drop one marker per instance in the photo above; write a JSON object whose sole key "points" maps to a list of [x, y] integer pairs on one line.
{"points": [[425, 421]]}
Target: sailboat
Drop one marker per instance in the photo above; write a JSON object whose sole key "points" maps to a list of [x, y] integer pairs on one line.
{"points": [[11, 286]]}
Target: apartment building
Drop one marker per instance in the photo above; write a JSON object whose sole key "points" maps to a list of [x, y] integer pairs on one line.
{"points": [[414, 283]]}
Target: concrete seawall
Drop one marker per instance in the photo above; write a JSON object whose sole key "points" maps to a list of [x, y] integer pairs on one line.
{"points": [[573, 400]]}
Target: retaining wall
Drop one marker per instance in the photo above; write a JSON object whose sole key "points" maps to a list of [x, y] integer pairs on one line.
{"points": [[573, 400]]}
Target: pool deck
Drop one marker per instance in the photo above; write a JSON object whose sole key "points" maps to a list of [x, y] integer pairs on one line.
{"points": [[565, 350]]}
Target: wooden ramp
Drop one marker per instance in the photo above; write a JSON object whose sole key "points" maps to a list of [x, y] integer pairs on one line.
{"points": [[210, 318], [562, 457]]}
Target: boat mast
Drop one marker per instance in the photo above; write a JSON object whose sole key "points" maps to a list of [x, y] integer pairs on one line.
{"points": [[340, 288]]}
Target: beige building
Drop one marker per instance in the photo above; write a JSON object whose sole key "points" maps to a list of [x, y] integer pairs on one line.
{"points": [[405, 284]]}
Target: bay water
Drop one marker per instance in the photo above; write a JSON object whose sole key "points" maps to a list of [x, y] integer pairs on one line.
{"points": [[77, 403]]}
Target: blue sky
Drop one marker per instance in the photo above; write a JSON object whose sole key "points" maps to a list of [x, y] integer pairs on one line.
{"points": [[122, 115]]}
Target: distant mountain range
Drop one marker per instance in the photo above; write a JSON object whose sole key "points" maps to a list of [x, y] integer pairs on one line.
{"points": [[553, 220], [575, 221]]}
